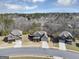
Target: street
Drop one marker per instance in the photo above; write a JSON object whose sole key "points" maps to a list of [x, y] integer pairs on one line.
{"points": [[38, 51]]}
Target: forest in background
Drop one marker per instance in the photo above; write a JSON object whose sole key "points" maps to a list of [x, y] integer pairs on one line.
{"points": [[49, 22]]}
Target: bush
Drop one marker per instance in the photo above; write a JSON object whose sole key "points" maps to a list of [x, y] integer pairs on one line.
{"points": [[77, 44], [24, 33], [4, 33]]}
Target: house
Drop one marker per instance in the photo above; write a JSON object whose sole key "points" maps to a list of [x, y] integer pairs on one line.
{"points": [[38, 36], [14, 35], [66, 36]]}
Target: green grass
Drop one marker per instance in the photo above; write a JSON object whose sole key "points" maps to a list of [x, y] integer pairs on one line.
{"points": [[56, 44], [25, 40], [29, 57], [1, 38], [1, 42], [72, 47]]}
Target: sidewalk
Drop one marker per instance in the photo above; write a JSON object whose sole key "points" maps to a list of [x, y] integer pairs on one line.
{"points": [[56, 57]]}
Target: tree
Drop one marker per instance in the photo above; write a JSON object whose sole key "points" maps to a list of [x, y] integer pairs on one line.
{"points": [[5, 22]]}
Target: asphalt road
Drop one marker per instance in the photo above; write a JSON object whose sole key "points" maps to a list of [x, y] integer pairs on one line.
{"points": [[38, 51]]}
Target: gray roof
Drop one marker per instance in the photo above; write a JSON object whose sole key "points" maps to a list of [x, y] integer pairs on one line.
{"points": [[39, 34], [65, 33], [15, 34]]}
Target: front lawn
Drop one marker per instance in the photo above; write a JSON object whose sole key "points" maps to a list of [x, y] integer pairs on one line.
{"points": [[72, 47], [1, 38], [56, 45]]}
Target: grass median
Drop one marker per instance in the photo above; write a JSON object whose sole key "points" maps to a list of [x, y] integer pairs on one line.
{"points": [[29, 57]]}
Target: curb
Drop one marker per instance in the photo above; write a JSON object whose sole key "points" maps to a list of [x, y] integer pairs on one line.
{"points": [[72, 51], [66, 50]]}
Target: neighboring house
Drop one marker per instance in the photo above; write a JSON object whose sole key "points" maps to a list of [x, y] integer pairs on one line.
{"points": [[14, 35], [66, 36], [38, 36]]}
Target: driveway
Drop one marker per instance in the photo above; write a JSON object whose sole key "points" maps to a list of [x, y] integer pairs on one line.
{"points": [[45, 44], [38, 51], [62, 45], [18, 43]]}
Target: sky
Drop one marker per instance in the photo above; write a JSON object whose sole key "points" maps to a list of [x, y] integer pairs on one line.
{"points": [[39, 6]]}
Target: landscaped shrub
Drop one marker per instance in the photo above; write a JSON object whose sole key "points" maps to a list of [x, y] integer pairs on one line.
{"points": [[4, 33], [77, 44]]}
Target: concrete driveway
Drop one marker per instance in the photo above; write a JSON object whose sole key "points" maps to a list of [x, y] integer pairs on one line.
{"points": [[62, 45], [17, 44], [45, 44]]}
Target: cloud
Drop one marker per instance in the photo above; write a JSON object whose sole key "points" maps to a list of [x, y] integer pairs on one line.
{"points": [[33, 1], [13, 6], [66, 2], [30, 7], [19, 7], [38, 1]]}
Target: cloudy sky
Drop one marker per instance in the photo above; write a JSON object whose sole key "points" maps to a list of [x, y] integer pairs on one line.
{"points": [[38, 6]]}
